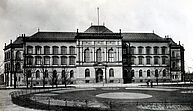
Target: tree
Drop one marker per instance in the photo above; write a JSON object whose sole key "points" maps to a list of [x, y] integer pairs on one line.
{"points": [[65, 77]]}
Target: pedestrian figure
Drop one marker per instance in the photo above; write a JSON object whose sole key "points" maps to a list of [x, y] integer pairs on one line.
{"points": [[151, 83]]}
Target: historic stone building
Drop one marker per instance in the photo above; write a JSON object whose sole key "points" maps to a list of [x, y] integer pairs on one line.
{"points": [[96, 55]]}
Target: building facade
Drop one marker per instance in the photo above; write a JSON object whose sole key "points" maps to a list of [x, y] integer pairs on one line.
{"points": [[95, 56]]}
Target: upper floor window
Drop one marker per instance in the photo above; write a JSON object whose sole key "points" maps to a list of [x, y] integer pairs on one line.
{"points": [[173, 54], [148, 50], [140, 50], [29, 60], [18, 66], [132, 73], [63, 50], [132, 60], [140, 60], [72, 60], [140, 73], [46, 50], [148, 73], [87, 73], [132, 50], [124, 51], [163, 50], [55, 60], [148, 60], [55, 50], [63, 60], [46, 60], [29, 50], [38, 49], [86, 55], [38, 60], [156, 60], [110, 56], [156, 50], [111, 72], [98, 55], [29, 74], [72, 49], [164, 60], [18, 55]]}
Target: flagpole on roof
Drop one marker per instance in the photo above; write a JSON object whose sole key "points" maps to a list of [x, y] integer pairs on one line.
{"points": [[98, 17]]}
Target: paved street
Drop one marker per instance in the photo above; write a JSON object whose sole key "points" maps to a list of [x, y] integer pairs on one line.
{"points": [[6, 103]]}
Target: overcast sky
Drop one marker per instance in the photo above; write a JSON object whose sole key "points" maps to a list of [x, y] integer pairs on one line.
{"points": [[165, 17]]}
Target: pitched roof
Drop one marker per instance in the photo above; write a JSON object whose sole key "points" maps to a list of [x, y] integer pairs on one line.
{"points": [[98, 29], [140, 37], [53, 36]]}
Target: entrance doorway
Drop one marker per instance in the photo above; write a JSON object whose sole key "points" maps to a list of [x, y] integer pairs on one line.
{"points": [[99, 75]]}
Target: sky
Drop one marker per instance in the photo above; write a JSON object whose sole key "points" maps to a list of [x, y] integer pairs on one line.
{"points": [[164, 17]]}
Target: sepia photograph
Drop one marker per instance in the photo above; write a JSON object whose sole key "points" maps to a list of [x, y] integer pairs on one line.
{"points": [[96, 55]]}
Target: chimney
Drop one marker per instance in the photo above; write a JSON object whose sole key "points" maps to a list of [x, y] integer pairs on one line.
{"points": [[23, 35], [77, 30], [179, 42]]}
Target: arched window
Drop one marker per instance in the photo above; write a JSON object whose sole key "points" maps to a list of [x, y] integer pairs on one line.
{"points": [[71, 74], [72, 60], [63, 73], [63, 50], [63, 60], [86, 55], [37, 74], [46, 60], [55, 60], [148, 50], [164, 73], [132, 73], [87, 73], [55, 50], [111, 55], [140, 73], [148, 73], [72, 49], [156, 50], [98, 55], [156, 73], [18, 55], [111, 72]]}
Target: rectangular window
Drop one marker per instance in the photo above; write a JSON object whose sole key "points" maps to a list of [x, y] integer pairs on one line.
{"points": [[148, 50], [163, 50], [132, 51], [155, 50], [72, 50], [46, 50], [47, 60], [55, 50], [124, 51], [148, 60], [156, 60], [140, 60], [163, 60], [140, 50], [38, 50], [29, 50], [132, 60], [38, 60], [63, 50], [55, 60], [72, 61], [29, 60], [64, 60]]}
